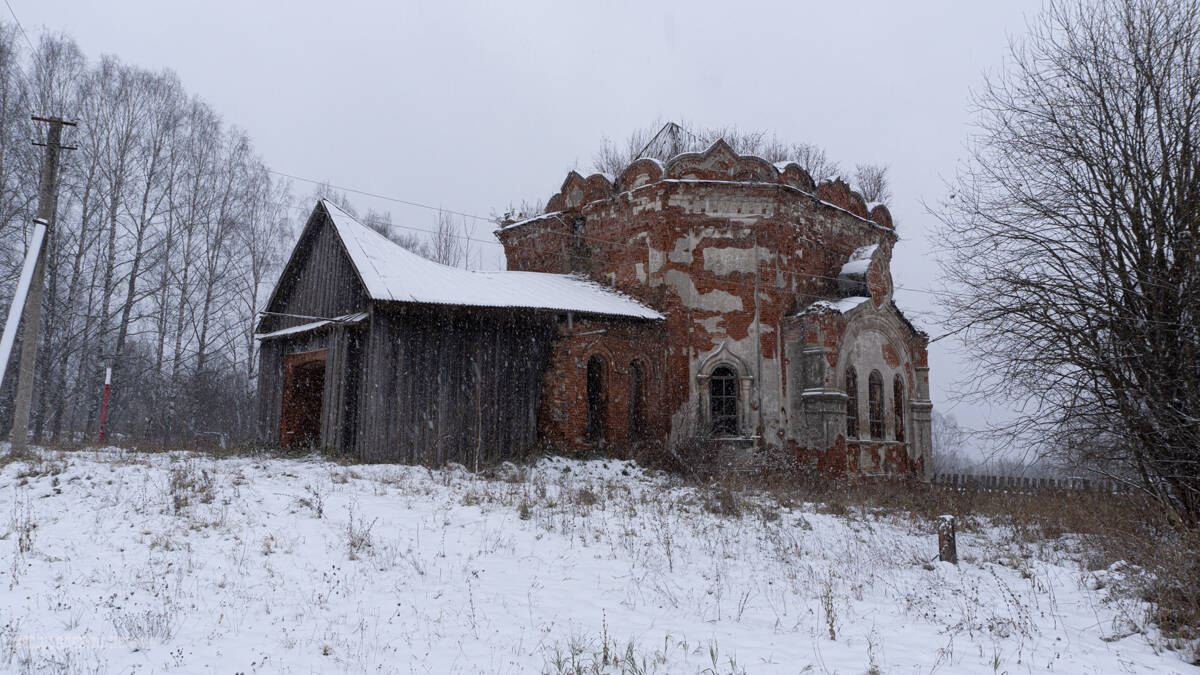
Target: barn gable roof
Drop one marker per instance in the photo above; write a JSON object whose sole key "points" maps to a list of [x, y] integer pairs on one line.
{"points": [[390, 272]]}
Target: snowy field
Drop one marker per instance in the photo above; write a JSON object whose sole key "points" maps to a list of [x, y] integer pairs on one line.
{"points": [[151, 563]]}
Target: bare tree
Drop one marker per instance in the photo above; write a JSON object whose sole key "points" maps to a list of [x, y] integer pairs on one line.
{"points": [[814, 160], [872, 183], [451, 243], [166, 233], [381, 222], [949, 444], [662, 142], [1072, 243]]}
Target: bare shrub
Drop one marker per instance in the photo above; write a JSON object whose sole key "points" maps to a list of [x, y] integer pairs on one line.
{"points": [[828, 597], [188, 484], [314, 500], [697, 457], [358, 536], [723, 501], [22, 527], [139, 628], [586, 497]]}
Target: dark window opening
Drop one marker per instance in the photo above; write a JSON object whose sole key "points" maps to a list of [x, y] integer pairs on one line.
{"points": [[851, 403], [875, 403], [596, 404], [723, 402], [898, 407], [637, 401]]}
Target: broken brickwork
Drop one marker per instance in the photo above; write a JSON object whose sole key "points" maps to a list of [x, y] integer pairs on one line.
{"points": [[751, 264]]}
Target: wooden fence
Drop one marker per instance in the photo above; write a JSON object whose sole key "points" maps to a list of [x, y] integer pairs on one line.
{"points": [[1026, 484]]}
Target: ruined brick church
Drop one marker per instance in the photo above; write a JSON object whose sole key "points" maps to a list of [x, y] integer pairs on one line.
{"points": [[712, 296]]}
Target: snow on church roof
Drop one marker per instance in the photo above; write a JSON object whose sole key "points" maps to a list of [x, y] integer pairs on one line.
{"points": [[859, 261], [392, 272]]}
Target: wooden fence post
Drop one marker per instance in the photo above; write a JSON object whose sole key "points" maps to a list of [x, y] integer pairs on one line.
{"points": [[947, 546]]}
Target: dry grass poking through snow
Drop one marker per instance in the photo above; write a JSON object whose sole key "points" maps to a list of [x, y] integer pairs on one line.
{"points": [[120, 561]]}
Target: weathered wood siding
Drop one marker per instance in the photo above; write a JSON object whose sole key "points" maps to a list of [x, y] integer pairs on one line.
{"points": [[339, 402], [318, 281], [447, 384], [270, 390], [341, 364]]}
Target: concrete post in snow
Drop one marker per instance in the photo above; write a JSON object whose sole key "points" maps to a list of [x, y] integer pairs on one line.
{"points": [[947, 545]]}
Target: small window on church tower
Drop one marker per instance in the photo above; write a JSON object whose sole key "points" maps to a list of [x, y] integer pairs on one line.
{"points": [[723, 402], [898, 407], [851, 403], [875, 403]]}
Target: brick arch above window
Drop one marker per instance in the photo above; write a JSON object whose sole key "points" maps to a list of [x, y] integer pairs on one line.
{"points": [[724, 356], [724, 381]]}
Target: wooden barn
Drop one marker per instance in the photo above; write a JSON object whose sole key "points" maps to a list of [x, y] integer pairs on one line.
{"points": [[371, 350]]}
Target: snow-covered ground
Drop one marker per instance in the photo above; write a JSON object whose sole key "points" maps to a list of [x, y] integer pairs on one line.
{"points": [[126, 562]]}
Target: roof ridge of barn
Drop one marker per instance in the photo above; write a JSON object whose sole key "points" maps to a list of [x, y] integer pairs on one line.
{"points": [[390, 272]]}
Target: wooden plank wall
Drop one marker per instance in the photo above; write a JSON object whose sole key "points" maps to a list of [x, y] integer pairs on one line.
{"points": [[270, 390], [1025, 484], [445, 384], [339, 404], [270, 379], [320, 281]]}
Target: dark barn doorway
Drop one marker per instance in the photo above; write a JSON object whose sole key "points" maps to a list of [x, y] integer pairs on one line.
{"points": [[303, 385]]}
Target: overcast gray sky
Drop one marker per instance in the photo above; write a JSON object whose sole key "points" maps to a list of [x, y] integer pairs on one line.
{"points": [[473, 105]]}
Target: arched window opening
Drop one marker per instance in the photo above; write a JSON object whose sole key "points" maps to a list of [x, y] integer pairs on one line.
{"points": [[898, 407], [596, 403], [851, 403], [723, 402], [637, 401], [875, 403]]}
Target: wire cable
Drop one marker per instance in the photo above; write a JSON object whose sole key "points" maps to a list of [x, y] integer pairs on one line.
{"points": [[609, 242]]}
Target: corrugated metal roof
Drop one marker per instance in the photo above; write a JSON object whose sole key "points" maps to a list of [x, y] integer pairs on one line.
{"points": [[313, 325]]}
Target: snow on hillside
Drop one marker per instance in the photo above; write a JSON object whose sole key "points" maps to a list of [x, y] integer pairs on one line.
{"points": [[126, 562]]}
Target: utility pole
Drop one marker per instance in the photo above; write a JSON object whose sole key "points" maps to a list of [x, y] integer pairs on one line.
{"points": [[31, 318]]}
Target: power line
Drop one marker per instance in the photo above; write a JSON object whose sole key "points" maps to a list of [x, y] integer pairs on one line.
{"points": [[491, 242], [20, 27], [609, 242], [379, 196], [34, 92]]}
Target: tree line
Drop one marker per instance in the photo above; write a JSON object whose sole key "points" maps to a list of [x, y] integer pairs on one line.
{"points": [[167, 229], [168, 234]]}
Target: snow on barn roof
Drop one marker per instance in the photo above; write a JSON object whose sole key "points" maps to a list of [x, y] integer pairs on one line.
{"points": [[392, 272]]}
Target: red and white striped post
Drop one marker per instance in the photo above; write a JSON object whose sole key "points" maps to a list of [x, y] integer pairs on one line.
{"points": [[104, 406]]}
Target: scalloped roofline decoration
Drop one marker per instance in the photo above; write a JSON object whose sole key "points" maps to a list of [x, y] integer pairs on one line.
{"points": [[717, 163]]}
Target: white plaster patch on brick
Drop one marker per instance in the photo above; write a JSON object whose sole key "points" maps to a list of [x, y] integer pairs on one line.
{"points": [[716, 300], [657, 260], [727, 260], [683, 250], [640, 270], [711, 324]]}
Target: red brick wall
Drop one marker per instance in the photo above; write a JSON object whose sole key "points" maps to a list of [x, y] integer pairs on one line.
{"points": [[563, 416], [714, 202]]}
